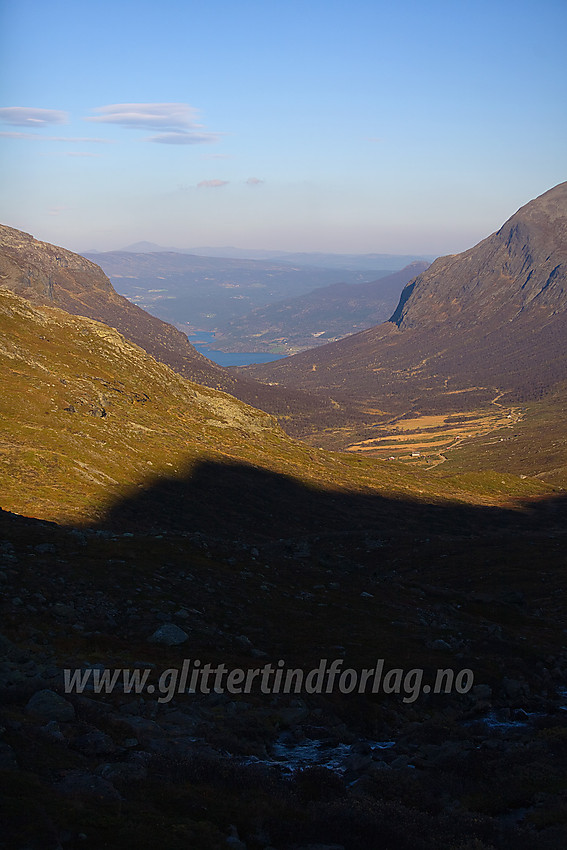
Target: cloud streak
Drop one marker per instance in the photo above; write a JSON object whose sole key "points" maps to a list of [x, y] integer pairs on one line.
{"points": [[36, 137], [177, 121], [179, 138], [254, 181], [26, 116], [211, 184], [148, 116]]}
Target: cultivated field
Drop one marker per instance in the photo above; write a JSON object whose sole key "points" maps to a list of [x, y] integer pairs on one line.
{"points": [[424, 440]]}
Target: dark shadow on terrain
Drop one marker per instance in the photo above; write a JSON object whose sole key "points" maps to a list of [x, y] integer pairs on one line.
{"points": [[235, 500], [422, 585]]}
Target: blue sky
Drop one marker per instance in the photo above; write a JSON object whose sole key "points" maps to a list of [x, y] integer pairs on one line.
{"points": [[415, 127]]}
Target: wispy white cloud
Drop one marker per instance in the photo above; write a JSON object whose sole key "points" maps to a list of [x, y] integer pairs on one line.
{"points": [[26, 116], [178, 138], [58, 210], [254, 181], [211, 184], [148, 116], [177, 121], [6, 135]]}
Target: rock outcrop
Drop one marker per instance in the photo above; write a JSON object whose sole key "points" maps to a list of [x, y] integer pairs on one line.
{"points": [[490, 320]]}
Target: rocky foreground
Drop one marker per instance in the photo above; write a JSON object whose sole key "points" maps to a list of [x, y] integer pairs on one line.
{"points": [[481, 769]]}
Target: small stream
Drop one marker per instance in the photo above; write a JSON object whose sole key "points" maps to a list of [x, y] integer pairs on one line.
{"points": [[291, 756]]}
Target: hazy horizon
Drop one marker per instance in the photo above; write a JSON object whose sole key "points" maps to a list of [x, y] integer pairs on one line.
{"points": [[321, 127]]}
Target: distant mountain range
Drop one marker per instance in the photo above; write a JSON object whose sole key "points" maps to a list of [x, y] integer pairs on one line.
{"points": [[300, 258], [201, 293], [489, 321], [327, 313], [351, 262]]}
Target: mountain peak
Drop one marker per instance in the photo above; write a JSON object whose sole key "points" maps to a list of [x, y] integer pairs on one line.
{"points": [[490, 320], [523, 263]]}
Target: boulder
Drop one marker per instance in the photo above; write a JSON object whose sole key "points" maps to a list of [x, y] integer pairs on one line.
{"points": [[169, 635], [51, 706]]}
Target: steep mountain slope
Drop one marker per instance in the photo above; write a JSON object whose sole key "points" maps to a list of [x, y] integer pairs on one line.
{"points": [[488, 321], [326, 313], [47, 274], [50, 275], [88, 418]]}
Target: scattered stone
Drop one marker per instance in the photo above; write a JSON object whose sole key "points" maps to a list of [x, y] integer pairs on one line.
{"points": [[94, 743], [46, 549], [169, 635], [234, 841], [123, 771], [440, 644], [400, 762], [78, 536], [357, 762], [141, 726], [258, 653], [60, 609], [53, 731], [80, 784], [48, 704]]}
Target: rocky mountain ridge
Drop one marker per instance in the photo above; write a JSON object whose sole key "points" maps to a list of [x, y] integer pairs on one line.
{"points": [[49, 275], [523, 265], [490, 320]]}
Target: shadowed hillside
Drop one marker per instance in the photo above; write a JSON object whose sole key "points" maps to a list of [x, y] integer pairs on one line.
{"points": [[201, 563]]}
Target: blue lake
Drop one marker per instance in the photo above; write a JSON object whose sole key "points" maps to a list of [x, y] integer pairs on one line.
{"points": [[203, 340]]}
